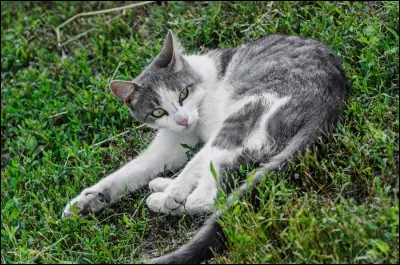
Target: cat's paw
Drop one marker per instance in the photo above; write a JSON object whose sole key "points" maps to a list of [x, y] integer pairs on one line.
{"points": [[177, 194], [157, 203], [159, 184], [90, 200], [174, 199]]}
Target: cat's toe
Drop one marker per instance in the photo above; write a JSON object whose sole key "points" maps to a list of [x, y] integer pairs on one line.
{"points": [[156, 201], [171, 203], [66, 213], [88, 201], [159, 184], [77, 206]]}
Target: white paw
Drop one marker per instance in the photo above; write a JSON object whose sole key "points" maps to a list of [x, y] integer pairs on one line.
{"points": [[159, 184], [177, 195], [90, 200], [157, 202]]}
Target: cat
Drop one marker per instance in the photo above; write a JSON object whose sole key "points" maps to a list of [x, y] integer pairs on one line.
{"points": [[264, 101]]}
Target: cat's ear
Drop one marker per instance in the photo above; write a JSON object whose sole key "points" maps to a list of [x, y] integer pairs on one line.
{"points": [[123, 89], [170, 55]]}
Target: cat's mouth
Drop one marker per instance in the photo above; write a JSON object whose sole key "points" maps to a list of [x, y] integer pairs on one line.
{"points": [[187, 127]]}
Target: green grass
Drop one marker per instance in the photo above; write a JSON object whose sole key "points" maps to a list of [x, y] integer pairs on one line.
{"points": [[339, 205]]}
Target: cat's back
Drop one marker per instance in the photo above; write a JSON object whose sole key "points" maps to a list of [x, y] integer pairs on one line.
{"points": [[283, 64]]}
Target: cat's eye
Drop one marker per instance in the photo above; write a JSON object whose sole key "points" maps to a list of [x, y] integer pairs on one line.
{"points": [[184, 94], [158, 113]]}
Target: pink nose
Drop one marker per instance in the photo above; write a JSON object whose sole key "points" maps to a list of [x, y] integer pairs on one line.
{"points": [[183, 122]]}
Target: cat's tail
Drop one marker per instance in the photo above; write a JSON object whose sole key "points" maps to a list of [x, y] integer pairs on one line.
{"points": [[210, 235]]}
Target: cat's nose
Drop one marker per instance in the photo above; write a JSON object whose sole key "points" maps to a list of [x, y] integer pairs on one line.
{"points": [[183, 121]]}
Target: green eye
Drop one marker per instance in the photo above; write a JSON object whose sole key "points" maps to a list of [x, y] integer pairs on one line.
{"points": [[183, 95], [158, 113]]}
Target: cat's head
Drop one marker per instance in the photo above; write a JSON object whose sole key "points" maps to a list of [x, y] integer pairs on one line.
{"points": [[166, 94]]}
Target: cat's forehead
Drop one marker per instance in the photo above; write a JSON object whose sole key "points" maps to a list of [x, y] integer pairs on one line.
{"points": [[154, 78], [155, 81]]}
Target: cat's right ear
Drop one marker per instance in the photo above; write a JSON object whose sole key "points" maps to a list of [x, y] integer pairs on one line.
{"points": [[170, 56], [123, 89]]}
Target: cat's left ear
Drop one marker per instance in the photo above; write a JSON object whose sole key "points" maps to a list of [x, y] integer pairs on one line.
{"points": [[123, 89], [170, 56]]}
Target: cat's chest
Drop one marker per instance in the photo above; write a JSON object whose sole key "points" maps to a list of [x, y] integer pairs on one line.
{"points": [[212, 114]]}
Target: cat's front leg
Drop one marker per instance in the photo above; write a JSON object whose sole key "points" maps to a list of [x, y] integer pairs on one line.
{"points": [[164, 153], [172, 200]]}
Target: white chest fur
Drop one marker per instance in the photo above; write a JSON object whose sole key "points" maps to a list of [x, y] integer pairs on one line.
{"points": [[211, 114]]}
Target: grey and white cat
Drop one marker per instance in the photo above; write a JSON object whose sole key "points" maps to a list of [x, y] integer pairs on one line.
{"points": [[263, 101]]}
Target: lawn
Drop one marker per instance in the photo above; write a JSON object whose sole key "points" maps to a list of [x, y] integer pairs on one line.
{"points": [[62, 130]]}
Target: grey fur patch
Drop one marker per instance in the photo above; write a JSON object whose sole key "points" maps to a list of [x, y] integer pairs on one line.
{"points": [[226, 57], [236, 127], [286, 65], [304, 69], [222, 58]]}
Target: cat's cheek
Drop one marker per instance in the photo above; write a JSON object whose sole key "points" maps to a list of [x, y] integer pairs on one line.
{"points": [[166, 123], [193, 117]]}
